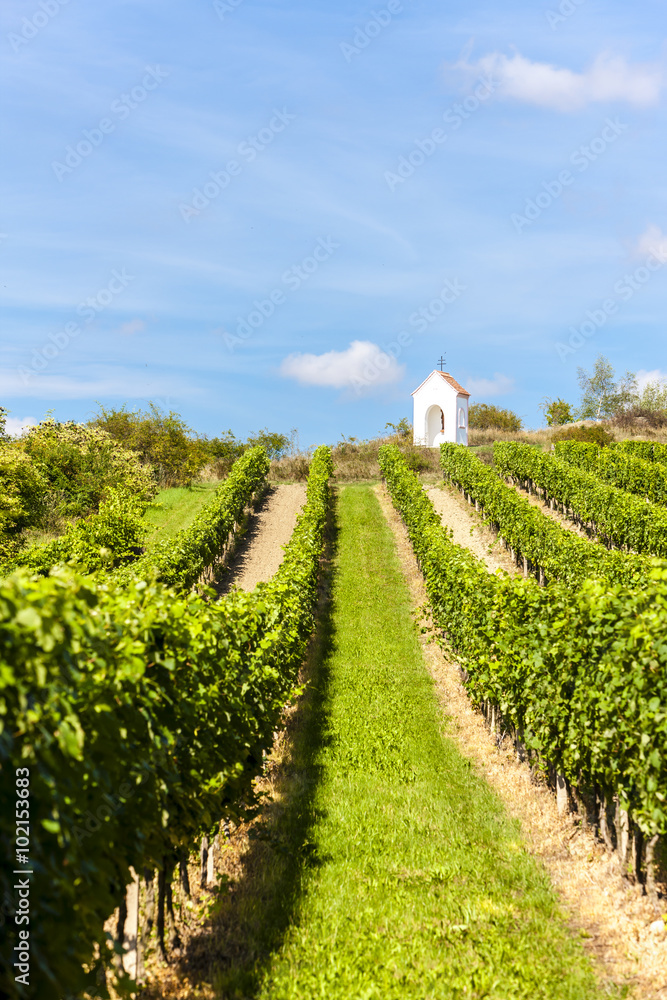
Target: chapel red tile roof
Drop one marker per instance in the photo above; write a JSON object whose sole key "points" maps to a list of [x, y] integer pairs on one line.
{"points": [[454, 384], [448, 378]]}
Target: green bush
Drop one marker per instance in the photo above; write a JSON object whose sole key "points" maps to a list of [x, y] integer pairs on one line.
{"points": [[22, 492], [557, 412], [111, 537], [222, 452], [178, 455], [275, 445], [484, 416], [81, 464]]}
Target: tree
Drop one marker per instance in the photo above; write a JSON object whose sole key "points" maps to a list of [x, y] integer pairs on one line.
{"points": [[557, 411], [484, 416], [222, 452], [602, 394], [403, 429], [162, 440], [653, 396], [276, 444]]}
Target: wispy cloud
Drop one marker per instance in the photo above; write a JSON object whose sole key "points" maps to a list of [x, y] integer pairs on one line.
{"points": [[499, 385], [609, 78], [132, 326], [343, 369], [652, 240], [123, 384]]}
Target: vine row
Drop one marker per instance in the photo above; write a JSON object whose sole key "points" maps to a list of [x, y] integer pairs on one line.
{"points": [[184, 559], [649, 451], [618, 518], [112, 539], [578, 676], [626, 471], [142, 714], [549, 551]]}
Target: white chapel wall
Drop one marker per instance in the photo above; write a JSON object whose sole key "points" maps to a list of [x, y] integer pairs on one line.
{"points": [[433, 397]]}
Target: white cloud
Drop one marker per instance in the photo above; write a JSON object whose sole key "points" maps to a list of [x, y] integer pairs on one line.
{"points": [[644, 377], [17, 426], [610, 78], [652, 240], [363, 366], [132, 326], [499, 385]]}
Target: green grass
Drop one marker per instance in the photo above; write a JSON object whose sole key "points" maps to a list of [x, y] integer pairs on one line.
{"points": [[175, 508], [404, 877]]}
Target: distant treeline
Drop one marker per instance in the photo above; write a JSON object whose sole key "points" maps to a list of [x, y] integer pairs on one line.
{"points": [[175, 452]]}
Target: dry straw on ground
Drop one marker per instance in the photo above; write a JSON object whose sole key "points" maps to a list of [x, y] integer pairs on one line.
{"points": [[610, 914]]}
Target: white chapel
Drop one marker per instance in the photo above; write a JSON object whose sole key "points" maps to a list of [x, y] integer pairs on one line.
{"points": [[440, 411]]}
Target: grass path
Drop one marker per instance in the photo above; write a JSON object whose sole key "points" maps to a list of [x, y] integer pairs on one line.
{"points": [[175, 508], [415, 882]]}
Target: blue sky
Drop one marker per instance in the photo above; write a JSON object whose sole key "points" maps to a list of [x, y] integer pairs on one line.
{"points": [[281, 214]]}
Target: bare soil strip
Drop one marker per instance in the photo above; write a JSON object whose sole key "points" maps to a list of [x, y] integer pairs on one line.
{"points": [[269, 529], [468, 528], [610, 914]]}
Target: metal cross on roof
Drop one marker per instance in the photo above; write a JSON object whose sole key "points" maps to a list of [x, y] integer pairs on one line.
{"points": [[442, 364]]}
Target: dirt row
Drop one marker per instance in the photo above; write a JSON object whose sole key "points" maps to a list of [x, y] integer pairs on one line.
{"points": [[269, 529], [468, 528]]}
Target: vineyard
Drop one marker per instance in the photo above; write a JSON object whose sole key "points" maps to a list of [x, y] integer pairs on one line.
{"points": [[140, 711]]}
